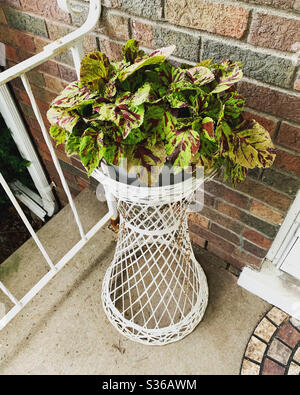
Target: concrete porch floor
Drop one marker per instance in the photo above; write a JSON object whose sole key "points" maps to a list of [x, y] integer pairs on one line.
{"points": [[64, 330]]}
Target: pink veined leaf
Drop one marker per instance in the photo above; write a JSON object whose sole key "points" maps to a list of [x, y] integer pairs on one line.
{"points": [[73, 96], [64, 119], [155, 57], [200, 75], [182, 145], [227, 79]]}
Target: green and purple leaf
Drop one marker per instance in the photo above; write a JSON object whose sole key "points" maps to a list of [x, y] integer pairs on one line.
{"points": [[200, 75], [58, 134], [126, 117], [252, 147], [131, 51], [91, 149], [208, 128], [156, 57], [73, 97], [65, 119], [226, 76], [95, 70], [182, 145]]}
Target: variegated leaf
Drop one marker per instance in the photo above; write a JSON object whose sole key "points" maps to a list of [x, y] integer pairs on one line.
{"points": [[95, 70], [156, 57], [200, 75], [182, 145], [58, 134], [64, 119], [124, 116], [227, 77], [73, 97], [158, 121], [208, 128], [91, 149], [252, 147]]}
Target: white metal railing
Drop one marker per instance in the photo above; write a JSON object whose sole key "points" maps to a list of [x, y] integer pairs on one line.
{"points": [[72, 41]]}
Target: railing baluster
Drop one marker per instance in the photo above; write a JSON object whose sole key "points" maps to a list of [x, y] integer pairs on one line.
{"points": [[39, 118], [25, 220], [77, 53], [9, 295]]}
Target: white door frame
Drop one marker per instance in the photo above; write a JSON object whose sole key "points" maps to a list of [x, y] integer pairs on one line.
{"points": [[271, 283]]}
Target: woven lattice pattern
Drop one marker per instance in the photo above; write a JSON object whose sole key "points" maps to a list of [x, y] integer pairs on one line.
{"points": [[155, 291]]}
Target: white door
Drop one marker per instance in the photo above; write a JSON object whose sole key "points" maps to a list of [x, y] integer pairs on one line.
{"points": [[290, 262]]}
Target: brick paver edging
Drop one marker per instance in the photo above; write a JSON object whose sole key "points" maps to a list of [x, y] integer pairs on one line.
{"points": [[274, 346]]}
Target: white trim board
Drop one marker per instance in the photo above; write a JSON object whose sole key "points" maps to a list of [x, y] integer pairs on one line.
{"points": [[270, 285]]}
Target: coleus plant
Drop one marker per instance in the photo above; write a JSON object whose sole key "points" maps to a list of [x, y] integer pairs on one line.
{"points": [[149, 111]]}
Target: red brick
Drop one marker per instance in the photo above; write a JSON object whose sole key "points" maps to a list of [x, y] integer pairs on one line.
{"points": [[231, 211], [265, 194], [8, 35], [198, 219], [67, 73], [11, 53], [287, 162], [58, 30], [273, 31], [44, 154], [46, 8], [77, 163], [112, 49], [222, 192], [62, 155], [115, 26], [51, 170], [272, 368], [49, 67], [271, 101], [284, 4], [289, 136], [25, 40], [197, 239], [268, 214], [214, 18], [217, 241], [23, 54], [40, 43], [268, 123], [257, 238], [289, 335], [237, 258], [143, 32], [54, 84], [69, 177], [225, 233], [246, 259], [219, 218], [83, 182], [90, 43], [254, 249]]}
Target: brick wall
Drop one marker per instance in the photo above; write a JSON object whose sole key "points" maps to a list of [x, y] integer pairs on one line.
{"points": [[236, 224]]}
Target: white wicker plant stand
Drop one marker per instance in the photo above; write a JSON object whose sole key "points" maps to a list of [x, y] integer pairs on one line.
{"points": [[154, 292]]}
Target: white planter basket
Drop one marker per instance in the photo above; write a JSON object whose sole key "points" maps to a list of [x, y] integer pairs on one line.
{"points": [[154, 292]]}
